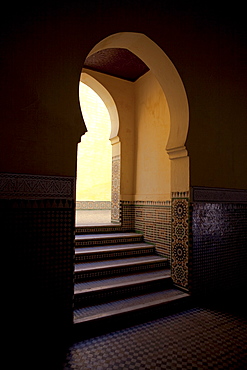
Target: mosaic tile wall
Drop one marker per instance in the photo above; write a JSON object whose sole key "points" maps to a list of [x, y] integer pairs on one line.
{"points": [[127, 215], [37, 215], [115, 200], [167, 225], [152, 219], [180, 246], [219, 228]]}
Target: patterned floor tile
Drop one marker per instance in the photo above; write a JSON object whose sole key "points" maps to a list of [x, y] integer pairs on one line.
{"points": [[194, 339]]}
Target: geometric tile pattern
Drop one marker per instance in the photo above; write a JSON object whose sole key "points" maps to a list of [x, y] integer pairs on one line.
{"points": [[37, 213], [41, 245], [127, 212], [115, 200], [180, 242], [23, 186], [219, 247], [152, 219], [219, 195], [194, 339], [93, 205]]}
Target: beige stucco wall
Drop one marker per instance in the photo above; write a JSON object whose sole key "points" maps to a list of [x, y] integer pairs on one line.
{"points": [[122, 93], [152, 127], [143, 133], [94, 153], [42, 122]]}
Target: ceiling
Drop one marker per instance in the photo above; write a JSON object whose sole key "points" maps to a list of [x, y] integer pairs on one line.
{"points": [[117, 62]]}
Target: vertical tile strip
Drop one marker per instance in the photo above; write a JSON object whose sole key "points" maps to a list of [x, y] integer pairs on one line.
{"points": [[180, 242], [115, 201]]}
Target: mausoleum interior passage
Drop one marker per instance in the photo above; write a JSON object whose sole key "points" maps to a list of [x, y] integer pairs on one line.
{"points": [[137, 109]]}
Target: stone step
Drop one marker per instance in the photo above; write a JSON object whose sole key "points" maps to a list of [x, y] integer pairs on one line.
{"points": [[92, 314], [118, 275], [97, 229], [112, 251], [94, 291], [118, 266], [107, 238]]}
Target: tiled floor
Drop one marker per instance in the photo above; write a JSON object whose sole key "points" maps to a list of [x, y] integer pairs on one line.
{"points": [[199, 338]]}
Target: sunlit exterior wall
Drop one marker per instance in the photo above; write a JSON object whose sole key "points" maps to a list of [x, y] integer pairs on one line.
{"points": [[94, 151]]}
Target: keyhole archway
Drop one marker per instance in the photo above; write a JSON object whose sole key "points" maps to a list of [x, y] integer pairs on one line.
{"points": [[168, 77], [126, 131]]}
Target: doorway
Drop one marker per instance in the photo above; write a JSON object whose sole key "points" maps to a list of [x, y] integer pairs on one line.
{"points": [[93, 191], [133, 157]]}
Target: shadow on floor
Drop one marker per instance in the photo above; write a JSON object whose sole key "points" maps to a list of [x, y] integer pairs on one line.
{"points": [[197, 338]]}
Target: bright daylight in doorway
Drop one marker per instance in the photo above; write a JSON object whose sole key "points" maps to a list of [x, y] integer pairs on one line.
{"points": [[94, 151]]}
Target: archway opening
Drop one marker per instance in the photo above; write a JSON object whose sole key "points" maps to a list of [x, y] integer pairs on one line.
{"points": [[162, 217], [155, 59], [109, 103], [93, 190]]}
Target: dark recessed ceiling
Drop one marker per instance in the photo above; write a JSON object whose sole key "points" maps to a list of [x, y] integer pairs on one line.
{"points": [[117, 62]]}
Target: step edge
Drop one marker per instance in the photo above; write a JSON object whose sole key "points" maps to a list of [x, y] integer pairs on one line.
{"points": [[118, 247], [113, 225], [128, 284], [130, 309], [106, 236], [163, 259]]}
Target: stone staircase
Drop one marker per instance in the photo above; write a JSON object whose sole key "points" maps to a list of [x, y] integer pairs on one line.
{"points": [[119, 276]]}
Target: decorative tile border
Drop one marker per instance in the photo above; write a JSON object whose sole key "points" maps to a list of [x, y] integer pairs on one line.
{"points": [[115, 202], [150, 203], [180, 194], [36, 204], [180, 242], [39, 214], [24, 186], [95, 205], [221, 195]]}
